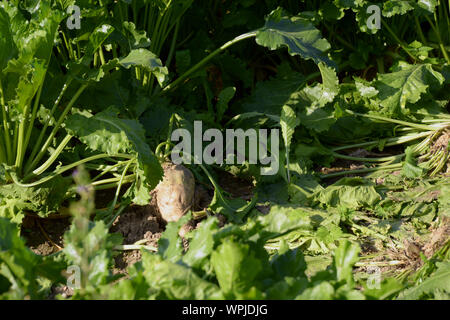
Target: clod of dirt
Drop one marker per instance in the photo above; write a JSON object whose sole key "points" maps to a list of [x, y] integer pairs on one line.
{"points": [[175, 194]]}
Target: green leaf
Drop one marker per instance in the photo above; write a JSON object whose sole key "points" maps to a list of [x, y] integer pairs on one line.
{"points": [[315, 112], [136, 39], [283, 219], [234, 209], [289, 263], [317, 119], [345, 256], [147, 60], [388, 288], [440, 280], [406, 86], [351, 193], [175, 281], [18, 264], [365, 89], [6, 40], [347, 4], [201, 246], [98, 36], [106, 132], [170, 246], [235, 267], [224, 98], [288, 122], [397, 7], [321, 291], [428, 5], [330, 82], [25, 56], [302, 187], [444, 200], [34, 31], [30, 79], [271, 95], [410, 168], [297, 34], [43, 199], [329, 11]]}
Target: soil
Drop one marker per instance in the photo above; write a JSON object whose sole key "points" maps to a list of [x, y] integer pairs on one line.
{"points": [[44, 236], [139, 223], [409, 257], [238, 188], [136, 224]]}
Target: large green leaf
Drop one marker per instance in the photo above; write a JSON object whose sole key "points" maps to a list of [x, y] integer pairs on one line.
{"points": [[236, 267], [271, 95], [33, 31], [283, 219], [287, 89], [202, 244], [176, 281], [297, 34], [345, 256], [6, 39], [26, 46], [352, 193], [107, 132], [43, 199], [428, 6], [406, 85], [289, 263]]}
